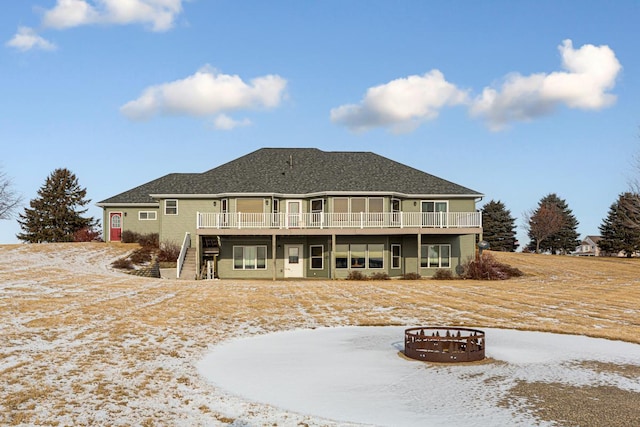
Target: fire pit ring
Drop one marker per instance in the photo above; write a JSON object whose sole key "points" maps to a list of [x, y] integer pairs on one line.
{"points": [[444, 344]]}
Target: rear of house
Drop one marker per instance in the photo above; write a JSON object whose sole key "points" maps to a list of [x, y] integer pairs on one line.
{"points": [[292, 213]]}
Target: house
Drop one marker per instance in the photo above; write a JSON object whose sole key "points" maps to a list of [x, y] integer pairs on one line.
{"points": [[302, 212], [589, 246]]}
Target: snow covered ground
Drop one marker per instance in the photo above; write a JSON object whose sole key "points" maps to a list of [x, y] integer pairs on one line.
{"points": [[82, 344], [355, 374]]}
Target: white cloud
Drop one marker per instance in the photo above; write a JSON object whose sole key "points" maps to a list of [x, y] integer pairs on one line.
{"points": [[26, 39], [158, 14], [402, 104], [591, 71], [206, 93], [224, 122]]}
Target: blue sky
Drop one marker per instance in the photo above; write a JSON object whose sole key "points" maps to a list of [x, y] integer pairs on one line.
{"points": [[515, 100]]}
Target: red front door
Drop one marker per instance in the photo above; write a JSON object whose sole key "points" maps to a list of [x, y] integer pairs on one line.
{"points": [[115, 226]]}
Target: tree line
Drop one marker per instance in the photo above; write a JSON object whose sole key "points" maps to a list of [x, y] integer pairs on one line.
{"points": [[57, 215], [552, 227]]}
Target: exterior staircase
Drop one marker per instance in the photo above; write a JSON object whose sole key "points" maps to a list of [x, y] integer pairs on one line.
{"points": [[188, 271]]}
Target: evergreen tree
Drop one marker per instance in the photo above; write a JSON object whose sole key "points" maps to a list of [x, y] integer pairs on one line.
{"points": [[616, 234], [56, 214], [498, 227], [564, 239]]}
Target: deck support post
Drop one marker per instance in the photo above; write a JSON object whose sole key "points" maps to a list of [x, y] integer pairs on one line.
{"points": [[273, 254]]}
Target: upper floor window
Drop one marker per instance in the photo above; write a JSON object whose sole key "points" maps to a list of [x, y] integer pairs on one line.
{"points": [[171, 207], [147, 215]]}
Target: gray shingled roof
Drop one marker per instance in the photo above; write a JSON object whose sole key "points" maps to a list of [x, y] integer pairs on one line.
{"points": [[299, 171]]}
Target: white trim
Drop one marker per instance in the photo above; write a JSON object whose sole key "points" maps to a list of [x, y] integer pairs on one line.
{"points": [[313, 195], [426, 255], [165, 207], [311, 257], [233, 257], [399, 256], [155, 216], [121, 223]]}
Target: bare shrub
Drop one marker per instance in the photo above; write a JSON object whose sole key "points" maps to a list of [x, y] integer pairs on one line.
{"points": [[411, 276], [443, 274], [356, 275], [146, 240], [151, 240], [486, 267], [379, 276], [87, 235], [141, 256], [129, 237], [169, 252], [122, 263]]}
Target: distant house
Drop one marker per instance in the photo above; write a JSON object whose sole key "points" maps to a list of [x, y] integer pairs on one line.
{"points": [[588, 246], [302, 212]]}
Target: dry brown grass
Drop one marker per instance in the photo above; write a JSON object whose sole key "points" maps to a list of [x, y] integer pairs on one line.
{"points": [[84, 338]]}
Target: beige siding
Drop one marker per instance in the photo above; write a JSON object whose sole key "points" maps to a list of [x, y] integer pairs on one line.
{"points": [[130, 221]]}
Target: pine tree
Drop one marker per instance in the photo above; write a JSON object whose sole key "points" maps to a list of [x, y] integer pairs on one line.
{"points": [[56, 214], [617, 236], [498, 227], [562, 239]]}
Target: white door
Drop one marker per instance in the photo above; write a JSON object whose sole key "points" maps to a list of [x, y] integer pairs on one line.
{"points": [[293, 261], [294, 209]]}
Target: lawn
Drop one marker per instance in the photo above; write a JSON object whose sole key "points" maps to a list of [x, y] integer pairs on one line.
{"points": [[82, 344]]}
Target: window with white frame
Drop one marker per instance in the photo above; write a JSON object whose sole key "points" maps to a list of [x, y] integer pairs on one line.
{"points": [[147, 215], [396, 256], [317, 257], [342, 255], [376, 255], [249, 257], [360, 255], [435, 256], [171, 207]]}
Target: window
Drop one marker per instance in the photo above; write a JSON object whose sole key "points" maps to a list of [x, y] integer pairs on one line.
{"points": [[358, 204], [396, 256], [376, 205], [435, 256], [342, 254], [358, 253], [317, 209], [249, 257], [434, 213], [253, 206], [360, 256], [171, 207], [376, 255], [317, 257], [146, 215]]}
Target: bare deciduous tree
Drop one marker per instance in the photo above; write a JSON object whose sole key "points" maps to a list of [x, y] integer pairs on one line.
{"points": [[9, 199], [631, 210], [543, 222]]}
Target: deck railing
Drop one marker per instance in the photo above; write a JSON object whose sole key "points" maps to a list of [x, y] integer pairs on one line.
{"points": [[323, 220]]}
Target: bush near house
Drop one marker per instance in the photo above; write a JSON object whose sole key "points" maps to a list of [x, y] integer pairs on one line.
{"points": [[443, 274], [486, 267]]}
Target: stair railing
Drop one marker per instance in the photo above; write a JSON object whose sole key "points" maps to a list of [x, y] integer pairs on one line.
{"points": [[186, 244]]}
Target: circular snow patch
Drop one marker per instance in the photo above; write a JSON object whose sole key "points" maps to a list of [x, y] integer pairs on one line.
{"points": [[354, 374]]}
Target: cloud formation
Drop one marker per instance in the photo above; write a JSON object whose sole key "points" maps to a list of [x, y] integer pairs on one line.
{"points": [[224, 122], [402, 104], [158, 14], [26, 39], [591, 71], [207, 93]]}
